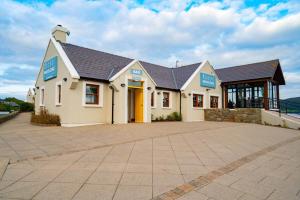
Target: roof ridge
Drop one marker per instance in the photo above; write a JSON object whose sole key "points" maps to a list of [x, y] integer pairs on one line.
{"points": [[197, 63], [247, 64]]}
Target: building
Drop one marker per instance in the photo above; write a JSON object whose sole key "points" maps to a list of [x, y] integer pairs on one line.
{"points": [[30, 96], [85, 86]]}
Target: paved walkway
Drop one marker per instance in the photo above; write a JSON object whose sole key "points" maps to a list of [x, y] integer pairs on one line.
{"points": [[20, 140], [149, 167]]}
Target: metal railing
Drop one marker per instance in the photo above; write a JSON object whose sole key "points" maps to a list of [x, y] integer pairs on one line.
{"points": [[280, 106]]}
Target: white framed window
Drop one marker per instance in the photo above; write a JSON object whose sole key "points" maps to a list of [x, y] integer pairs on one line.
{"points": [[42, 96], [153, 99], [92, 94], [58, 93], [166, 99]]}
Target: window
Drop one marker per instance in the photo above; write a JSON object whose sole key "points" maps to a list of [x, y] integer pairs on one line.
{"points": [[153, 99], [92, 94], [214, 101], [231, 97], [166, 99], [58, 93], [42, 97], [197, 100]]}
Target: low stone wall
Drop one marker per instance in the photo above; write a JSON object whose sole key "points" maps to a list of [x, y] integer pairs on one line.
{"points": [[9, 116], [246, 115]]}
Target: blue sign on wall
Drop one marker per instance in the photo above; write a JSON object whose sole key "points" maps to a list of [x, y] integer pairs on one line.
{"points": [[136, 72], [50, 68], [207, 80]]}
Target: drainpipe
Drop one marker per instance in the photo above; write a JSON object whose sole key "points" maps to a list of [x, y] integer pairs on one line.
{"points": [[112, 103], [223, 96], [180, 105]]}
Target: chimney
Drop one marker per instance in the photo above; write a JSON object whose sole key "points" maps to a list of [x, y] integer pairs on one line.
{"points": [[60, 33], [177, 64]]}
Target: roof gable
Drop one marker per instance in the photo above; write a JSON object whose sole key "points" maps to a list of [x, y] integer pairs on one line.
{"points": [[94, 64]]}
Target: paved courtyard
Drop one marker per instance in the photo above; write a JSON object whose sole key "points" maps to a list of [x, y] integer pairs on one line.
{"points": [[20, 140], [187, 161]]}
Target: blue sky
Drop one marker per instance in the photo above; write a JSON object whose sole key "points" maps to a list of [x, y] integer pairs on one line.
{"points": [[224, 32]]}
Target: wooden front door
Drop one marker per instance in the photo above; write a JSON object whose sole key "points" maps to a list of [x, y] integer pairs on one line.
{"points": [[139, 105]]}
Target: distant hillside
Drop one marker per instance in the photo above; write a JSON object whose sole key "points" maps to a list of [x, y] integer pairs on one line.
{"points": [[12, 103], [292, 104]]}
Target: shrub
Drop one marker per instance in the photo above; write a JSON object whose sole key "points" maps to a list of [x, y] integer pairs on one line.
{"points": [[175, 116], [45, 118], [5, 107], [161, 118], [26, 107]]}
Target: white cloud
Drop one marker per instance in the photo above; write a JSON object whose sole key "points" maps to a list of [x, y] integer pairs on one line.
{"points": [[292, 77]]}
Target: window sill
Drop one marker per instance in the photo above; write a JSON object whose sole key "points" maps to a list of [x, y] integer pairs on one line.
{"points": [[92, 106], [168, 108], [196, 108]]}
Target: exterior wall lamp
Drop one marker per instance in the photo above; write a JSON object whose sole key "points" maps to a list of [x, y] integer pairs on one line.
{"points": [[148, 88], [65, 79], [190, 94], [158, 93], [37, 87], [122, 84]]}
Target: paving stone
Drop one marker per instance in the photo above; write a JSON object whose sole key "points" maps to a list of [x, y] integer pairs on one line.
{"points": [[125, 192], [95, 192], [22, 190], [167, 179], [193, 196], [193, 169], [219, 191], [253, 188], [166, 169], [107, 178], [15, 174], [112, 167], [73, 176], [42, 175], [139, 168], [226, 179], [58, 191], [136, 179]]}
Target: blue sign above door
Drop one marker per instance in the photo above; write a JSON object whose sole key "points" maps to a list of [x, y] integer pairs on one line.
{"points": [[136, 72], [207, 80], [50, 68]]}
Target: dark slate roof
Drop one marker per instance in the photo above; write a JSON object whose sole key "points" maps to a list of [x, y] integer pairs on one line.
{"points": [[162, 76], [99, 65], [94, 64], [182, 74], [252, 71]]}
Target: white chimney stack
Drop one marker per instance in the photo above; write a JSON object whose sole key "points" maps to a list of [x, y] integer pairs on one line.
{"points": [[60, 33]]}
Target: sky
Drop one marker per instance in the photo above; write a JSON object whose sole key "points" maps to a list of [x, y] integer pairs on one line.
{"points": [[225, 32]]}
